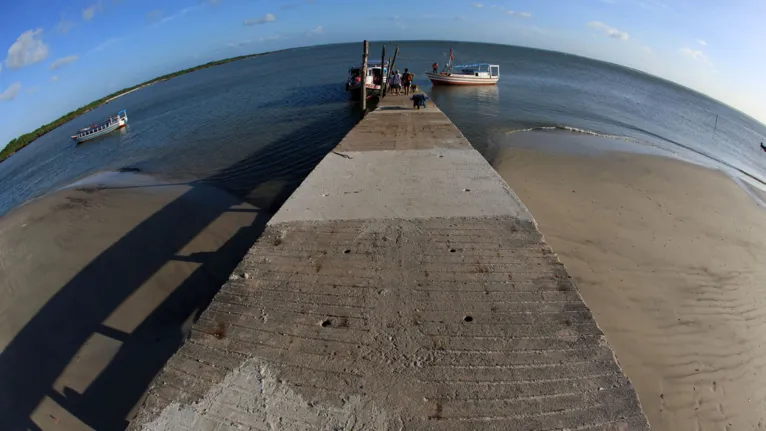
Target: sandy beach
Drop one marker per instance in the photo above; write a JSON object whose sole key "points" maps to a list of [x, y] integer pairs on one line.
{"points": [[669, 257], [100, 282], [665, 253]]}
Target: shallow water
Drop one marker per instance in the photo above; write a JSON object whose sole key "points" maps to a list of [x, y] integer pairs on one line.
{"points": [[283, 111], [233, 126], [107, 269]]}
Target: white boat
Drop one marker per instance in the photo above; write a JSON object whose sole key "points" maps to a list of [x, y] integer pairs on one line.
{"points": [[101, 129], [467, 74], [377, 74]]}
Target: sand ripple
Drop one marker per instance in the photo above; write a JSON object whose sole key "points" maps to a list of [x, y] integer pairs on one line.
{"points": [[669, 257]]}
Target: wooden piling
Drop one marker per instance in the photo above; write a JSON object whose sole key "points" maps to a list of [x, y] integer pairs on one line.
{"points": [[364, 75], [393, 63], [383, 74]]}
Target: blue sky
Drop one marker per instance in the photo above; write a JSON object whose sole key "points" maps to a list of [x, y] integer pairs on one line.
{"points": [[57, 56]]}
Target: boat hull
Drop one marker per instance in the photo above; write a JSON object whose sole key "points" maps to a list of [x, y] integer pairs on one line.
{"points": [[456, 79], [356, 90]]}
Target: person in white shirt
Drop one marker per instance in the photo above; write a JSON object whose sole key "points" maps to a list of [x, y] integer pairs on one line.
{"points": [[396, 82]]}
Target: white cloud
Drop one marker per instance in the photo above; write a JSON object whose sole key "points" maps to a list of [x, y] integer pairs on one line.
{"points": [[11, 92], [610, 31], [460, 18], [521, 14], [397, 21], [297, 4], [647, 50], [154, 16], [64, 25], [33, 90], [28, 49], [477, 5], [695, 54], [318, 30], [652, 4], [54, 78], [701, 42], [269, 17], [89, 12], [1, 67], [63, 61], [106, 44], [180, 13]]}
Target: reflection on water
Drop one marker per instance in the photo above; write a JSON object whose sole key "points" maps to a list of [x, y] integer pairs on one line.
{"points": [[477, 104], [475, 108], [484, 94]]}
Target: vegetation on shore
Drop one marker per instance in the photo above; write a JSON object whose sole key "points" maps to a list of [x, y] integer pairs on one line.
{"points": [[26, 139]]}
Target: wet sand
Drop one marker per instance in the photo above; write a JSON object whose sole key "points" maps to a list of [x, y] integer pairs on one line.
{"points": [[670, 258], [99, 283]]}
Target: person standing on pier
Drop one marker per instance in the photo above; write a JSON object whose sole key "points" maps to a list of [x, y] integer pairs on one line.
{"points": [[396, 82], [407, 78]]}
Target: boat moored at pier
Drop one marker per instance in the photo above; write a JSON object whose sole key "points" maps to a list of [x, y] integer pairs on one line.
{"points": [[466, 74], [377, 74]]}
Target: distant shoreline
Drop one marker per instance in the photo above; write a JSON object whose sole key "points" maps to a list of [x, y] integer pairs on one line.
{"points": [[130, 91], [22, 141]]}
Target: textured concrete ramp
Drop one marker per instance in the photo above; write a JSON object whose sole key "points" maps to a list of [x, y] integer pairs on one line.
{"points": [[401, 287]]}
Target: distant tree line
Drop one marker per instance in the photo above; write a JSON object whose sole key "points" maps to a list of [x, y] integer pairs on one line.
{"points": [[26, 139]]}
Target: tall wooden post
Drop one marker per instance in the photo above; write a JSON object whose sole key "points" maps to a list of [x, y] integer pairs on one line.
{"points": [[364, 76], [383, 74], [393, 63]]}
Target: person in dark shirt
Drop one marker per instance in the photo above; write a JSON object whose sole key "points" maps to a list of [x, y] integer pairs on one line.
{"points": [[407, 78]]}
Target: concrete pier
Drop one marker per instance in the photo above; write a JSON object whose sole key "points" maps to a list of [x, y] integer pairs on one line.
{"points": [[402, 286]]}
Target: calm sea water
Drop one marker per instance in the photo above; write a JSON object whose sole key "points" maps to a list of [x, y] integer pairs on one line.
{"points": [[276, 116]]}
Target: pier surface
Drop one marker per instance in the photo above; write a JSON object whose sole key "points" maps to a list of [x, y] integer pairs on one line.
{"points": [[402, 286]]}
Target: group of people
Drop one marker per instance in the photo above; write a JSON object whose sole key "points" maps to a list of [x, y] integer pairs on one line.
{"points": [[401, 81]]}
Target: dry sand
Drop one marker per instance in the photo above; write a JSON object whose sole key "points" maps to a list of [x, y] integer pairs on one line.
{"points": [[98, 285], [670, 258], [96, 290]]}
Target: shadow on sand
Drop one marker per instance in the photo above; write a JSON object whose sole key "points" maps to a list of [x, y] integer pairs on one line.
{"points": [[43, 348]]}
